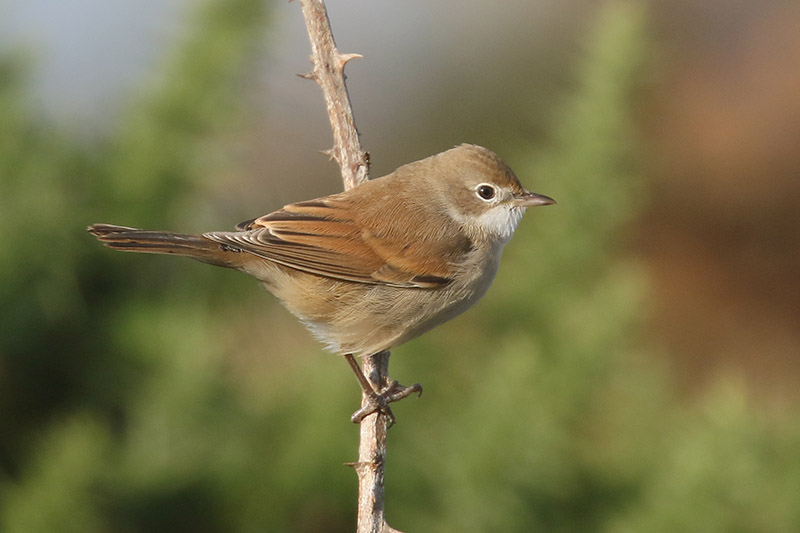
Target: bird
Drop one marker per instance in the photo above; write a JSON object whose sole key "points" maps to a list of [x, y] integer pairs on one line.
{"points": [[370, 268]]}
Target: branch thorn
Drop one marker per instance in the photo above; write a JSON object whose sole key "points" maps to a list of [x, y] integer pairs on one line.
{"points": [[345, 58]]}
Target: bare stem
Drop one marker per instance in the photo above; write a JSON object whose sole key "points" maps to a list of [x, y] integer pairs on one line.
{"points": [[371, 465], [328, 72]]}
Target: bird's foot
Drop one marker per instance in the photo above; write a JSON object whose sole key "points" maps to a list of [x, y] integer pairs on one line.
{"points": [[378, 402]]}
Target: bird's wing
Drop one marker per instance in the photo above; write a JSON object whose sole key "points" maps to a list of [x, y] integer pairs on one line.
{"points": [[323, 237]]}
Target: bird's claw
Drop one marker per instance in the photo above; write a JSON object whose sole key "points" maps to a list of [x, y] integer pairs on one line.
{"points": [[378, 402]]}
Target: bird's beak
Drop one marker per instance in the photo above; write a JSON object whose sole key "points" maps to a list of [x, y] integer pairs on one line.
{"points": [[530, 199]]}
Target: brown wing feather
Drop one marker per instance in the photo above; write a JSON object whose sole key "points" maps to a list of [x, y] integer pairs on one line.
{"points": [[322, 237]]}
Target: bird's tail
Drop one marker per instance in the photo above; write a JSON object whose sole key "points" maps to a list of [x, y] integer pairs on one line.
{"points": [[164, 242]]}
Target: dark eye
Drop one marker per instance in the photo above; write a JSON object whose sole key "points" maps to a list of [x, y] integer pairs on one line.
{"points": [[486, 192]]}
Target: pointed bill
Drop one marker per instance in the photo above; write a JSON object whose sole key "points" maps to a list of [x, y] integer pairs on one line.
{"points": [[530, 199]]}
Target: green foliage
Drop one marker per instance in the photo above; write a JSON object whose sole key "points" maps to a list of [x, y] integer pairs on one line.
{"points": [[159, 150], [152, 394]]}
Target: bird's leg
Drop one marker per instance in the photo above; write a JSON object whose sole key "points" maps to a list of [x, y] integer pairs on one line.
{"points": [[379, 400]]}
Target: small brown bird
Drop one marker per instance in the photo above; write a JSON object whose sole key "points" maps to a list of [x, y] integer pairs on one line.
{"points": [[375, 266]]}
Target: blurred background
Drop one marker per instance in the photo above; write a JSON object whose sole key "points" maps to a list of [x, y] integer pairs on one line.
{"points": [[635, 366]]}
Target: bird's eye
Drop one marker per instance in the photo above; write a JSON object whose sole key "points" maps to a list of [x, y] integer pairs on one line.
{"points": [[485, 191]]}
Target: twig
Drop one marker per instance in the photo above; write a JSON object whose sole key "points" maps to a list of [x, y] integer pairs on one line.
{"points": [[371, 465], [328, 72]]}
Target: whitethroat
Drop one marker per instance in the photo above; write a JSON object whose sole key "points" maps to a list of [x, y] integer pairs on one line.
{"points": [[375, 266]]}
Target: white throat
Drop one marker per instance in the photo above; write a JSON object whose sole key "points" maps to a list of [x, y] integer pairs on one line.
{"points": [[501, 221]]}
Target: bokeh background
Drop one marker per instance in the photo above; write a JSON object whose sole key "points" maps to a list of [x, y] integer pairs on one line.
{"points": [[635, 367]]}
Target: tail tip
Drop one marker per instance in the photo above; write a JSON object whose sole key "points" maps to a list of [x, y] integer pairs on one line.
{"points": [[101, 230]]}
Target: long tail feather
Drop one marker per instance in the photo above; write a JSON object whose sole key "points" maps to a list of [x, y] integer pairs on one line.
{"points": [[164, 242]]}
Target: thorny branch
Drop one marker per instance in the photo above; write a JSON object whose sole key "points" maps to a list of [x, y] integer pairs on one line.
{"points": [[328, 72]]}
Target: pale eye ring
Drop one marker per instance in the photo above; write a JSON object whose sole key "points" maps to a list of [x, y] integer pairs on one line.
{"points": [[485, 192]]}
